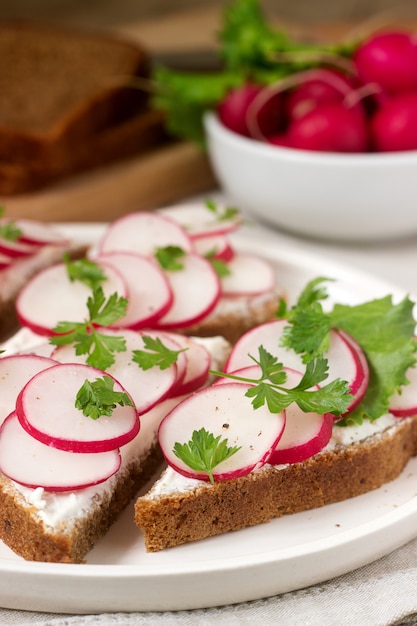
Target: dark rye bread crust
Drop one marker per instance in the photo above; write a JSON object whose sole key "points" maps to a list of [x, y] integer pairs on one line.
{"points": [[25, 533], [328, 477]]}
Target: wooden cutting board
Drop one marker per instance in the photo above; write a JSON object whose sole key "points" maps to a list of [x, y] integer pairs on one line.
{"points": [[161, 177]]}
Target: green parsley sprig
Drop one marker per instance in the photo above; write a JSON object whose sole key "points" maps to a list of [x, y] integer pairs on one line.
{"points": [[204, 452], [97, 398], [220, 267], [86, 335], [169, 257], [85, 271], [270, 387], [156, 354], [9, 230], [222, 214]]}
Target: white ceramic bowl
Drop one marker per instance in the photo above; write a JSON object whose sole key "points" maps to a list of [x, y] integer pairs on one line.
{"points": [[350, 197]]}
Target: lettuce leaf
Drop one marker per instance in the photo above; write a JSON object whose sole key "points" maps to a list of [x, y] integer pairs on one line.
{"points": [[385, 331]]}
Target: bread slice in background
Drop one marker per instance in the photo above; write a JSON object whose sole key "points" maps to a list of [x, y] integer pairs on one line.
{"points": [[70, 102]]}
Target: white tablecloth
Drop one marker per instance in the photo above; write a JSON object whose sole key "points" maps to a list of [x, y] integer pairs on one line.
{"points": [[380, 594]]}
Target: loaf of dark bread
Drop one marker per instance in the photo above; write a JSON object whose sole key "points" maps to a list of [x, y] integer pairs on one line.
{"points": [[69, 102]]}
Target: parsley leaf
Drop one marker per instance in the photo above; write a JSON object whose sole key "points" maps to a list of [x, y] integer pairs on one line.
{"points": [[220, 267], [270, 388], [10, 231], [85, 271], [87, 338], [169, 257], [156, 354], [228, 213], [204, 451], [98, 398]]}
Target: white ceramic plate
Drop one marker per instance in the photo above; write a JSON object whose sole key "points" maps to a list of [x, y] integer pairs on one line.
{"points": [[283, 555]]}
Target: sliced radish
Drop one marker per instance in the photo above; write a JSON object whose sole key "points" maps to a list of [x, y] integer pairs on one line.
{"points": [[15, 371], [404, 402], [46, 409], [34, 464], [150, 295], [197, 364], [345, 361], [143, 232], [5, 261], [225, 411], [16, 248], [359, 385], [216, 247], [305, 434], [196, 289], [39, 233], [67, 300], [267, 335], [200, 221], [249, 275], [146, 387]]}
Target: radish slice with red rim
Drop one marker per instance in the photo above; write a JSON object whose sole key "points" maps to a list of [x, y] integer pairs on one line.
{"points": [[196, 289], [15, 371], [249, 275], [46, 409], [215, 247], [225, 411], [146, 387], [305, 434], [67, 300], [16, 249], [345, 358], [403, 403], [150, 295], [5, 261], [197, 364], [200, 221], [144, 232], [40, 465], [39, 233]]}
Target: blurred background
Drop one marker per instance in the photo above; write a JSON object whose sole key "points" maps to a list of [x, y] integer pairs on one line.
{"points": [[110, 13]]}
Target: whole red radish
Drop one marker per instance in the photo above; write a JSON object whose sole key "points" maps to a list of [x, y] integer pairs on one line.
{"points": [[394, 125], [232, 109], [330, 127], [320, 87], [388, 59], [241, 111]]}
